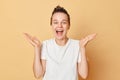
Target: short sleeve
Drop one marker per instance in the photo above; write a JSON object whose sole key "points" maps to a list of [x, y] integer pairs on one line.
{"points": [[44, 51], [79, 56]]}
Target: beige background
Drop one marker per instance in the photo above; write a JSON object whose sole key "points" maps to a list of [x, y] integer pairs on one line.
{"points": [[32, 16]]}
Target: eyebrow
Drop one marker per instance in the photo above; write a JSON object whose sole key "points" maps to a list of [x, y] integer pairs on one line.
{"points": [[62, 20]]}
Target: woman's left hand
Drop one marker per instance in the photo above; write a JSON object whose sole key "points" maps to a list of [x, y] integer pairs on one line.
{"points": [[84, 41]]}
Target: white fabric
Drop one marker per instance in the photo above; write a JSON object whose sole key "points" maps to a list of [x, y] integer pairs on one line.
{"points": [[61, 61]]}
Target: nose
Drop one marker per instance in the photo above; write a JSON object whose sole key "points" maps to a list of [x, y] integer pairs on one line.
{"points": [[60, 25]]}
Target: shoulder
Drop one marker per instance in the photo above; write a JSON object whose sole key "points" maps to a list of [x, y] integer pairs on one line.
{"points": [[75, 41], [48, 41], [75, 44]]}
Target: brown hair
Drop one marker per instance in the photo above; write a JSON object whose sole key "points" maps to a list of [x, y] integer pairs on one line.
{"points": [[62, 10]]}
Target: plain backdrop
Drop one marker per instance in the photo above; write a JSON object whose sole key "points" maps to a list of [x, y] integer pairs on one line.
{"points": [[33, 16]]}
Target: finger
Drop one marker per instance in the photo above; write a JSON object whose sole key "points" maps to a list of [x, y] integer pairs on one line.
{"points": [[28, 36], [83, 42], [92, 36], [37, 42], [31, 42], [36, 39]]}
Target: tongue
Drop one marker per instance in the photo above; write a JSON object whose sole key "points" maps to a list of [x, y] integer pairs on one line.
{"points": [[59, 33]]}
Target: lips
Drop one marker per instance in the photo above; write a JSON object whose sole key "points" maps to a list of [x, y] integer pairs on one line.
{"points": [[59, 32]]}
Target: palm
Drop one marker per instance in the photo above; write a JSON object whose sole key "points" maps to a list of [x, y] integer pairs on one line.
{"points": [[32, 40], [88, 38]]}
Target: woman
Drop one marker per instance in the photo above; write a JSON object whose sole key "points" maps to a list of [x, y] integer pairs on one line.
{"points": [[60, 58]]}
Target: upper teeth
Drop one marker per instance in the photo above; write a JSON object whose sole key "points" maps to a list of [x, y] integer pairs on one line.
{"points": [[59, 30]]}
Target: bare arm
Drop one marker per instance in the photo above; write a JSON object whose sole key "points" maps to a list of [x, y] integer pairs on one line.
{"points": [[83, 65], [38, 64]]}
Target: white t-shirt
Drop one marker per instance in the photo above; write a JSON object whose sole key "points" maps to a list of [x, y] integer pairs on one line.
{"points": [[61, 61]]}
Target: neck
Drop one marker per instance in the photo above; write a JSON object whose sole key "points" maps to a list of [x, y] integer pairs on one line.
{"points": [[61, 42]]}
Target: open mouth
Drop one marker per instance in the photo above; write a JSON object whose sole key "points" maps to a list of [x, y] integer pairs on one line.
{"points": [[59, 32]]}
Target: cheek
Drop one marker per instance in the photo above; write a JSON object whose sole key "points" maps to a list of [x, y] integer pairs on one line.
{"points": [[53, 28], [67, 27]]}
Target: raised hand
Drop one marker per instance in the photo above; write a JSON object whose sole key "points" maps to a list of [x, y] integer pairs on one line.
{"points": [[32, 40], [88, 38]]}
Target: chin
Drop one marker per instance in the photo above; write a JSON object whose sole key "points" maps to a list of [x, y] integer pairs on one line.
{"points": [[59, 37]]}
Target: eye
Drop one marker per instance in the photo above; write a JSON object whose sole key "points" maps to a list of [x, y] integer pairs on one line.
{"points": [[55, 22], [64, 22]]}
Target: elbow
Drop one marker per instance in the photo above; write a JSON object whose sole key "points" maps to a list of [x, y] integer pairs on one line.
{"points": [[84, 76], [38, 73], [37, 76]]}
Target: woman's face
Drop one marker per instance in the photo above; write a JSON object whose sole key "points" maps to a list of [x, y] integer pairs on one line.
{"points": [[60, 25]]}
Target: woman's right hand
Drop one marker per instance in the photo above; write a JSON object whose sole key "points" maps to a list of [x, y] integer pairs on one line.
{"points": [[32, 40]]}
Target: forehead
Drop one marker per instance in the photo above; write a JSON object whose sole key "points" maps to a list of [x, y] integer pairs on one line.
{"points": [[59, 16]]}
